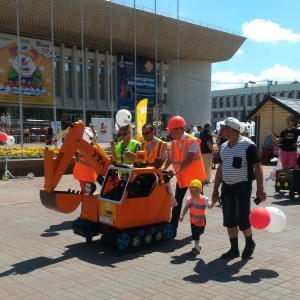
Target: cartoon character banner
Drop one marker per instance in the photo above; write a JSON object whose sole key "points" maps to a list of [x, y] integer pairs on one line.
{"points": [[145, 80], [35, 73], [103, 128]]}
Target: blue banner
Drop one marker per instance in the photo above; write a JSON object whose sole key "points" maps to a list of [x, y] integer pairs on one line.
{"points": [[145, 81]]}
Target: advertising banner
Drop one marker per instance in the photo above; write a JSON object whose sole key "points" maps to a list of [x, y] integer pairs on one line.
{"points": [[103, 128], [145, 80], [35, 73], [141, 118]]}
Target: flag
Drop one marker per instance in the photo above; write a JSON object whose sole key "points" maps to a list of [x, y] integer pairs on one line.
{"points": [[141, 117]]}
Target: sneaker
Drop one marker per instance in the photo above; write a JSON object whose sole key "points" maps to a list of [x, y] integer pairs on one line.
{"points": [[248, 251], [195, 251], [230, 254]]}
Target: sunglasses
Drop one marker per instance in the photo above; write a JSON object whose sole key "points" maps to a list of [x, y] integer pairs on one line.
{"points": [[122, 134], [146, 133]]}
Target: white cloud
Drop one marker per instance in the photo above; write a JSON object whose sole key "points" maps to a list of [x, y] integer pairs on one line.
{"points": [[230, 80], [240, 52], [266, 31]]}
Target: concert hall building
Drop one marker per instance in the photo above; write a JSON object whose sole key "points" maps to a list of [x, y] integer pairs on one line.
{"points": [[107, 56]]}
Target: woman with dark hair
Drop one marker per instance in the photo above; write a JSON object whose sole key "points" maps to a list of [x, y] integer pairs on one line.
{"points": [[288, 140]]}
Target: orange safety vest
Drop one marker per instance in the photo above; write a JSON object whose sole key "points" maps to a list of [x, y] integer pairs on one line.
{"points": [[83, 171], [177, 156], [155, 152], [197, 209]]}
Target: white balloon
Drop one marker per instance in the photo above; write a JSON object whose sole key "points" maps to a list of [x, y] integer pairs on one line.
{"points": [[10, 140], [278, 220], [123, 117]]}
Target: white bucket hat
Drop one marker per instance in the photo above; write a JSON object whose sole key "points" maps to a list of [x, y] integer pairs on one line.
{"points": [[234, 124]]}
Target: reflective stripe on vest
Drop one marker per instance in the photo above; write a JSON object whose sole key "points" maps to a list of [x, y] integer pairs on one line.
{"points": [[197, 211], [195, 170], [156, 151], [83, 162], [185, 146]]}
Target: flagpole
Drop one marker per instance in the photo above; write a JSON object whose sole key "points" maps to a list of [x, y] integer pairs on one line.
{"points": [[53, 73], [82, 64], [20, 76], [177, 59], [135, 91], [110, 77], [156, 100]]}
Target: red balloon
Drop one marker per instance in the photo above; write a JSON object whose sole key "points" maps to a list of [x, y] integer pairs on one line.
{"points": [[3, 137], [259, 217]]}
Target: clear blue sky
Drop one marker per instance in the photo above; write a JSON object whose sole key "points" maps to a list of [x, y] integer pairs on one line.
{"points": [[272, 29]]}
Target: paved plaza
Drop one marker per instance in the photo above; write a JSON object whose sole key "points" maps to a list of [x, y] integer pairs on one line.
{"points": [[41, 258]]}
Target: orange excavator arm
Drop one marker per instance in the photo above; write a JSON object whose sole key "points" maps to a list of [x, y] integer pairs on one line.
{"points": [[76, 139]]}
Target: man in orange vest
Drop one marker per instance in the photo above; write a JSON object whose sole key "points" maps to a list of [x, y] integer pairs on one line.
{"points": [[153, 146], [185, 156]]}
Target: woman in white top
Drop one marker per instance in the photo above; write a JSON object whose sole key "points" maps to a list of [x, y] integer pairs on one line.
{"points": [[2, 120], [7, 121]]}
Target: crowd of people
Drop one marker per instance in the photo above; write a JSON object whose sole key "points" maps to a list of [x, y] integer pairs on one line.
{"points": [[188, 157], [5, 122]]}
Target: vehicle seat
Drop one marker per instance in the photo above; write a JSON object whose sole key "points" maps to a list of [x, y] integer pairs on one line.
{"points": [[147, 184]]}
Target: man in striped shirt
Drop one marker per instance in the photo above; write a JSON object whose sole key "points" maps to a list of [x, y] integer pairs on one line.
{"points": [[238, 156]]}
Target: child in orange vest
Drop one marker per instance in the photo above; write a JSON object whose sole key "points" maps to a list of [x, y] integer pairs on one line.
{"points": [[83, 171], [197, 204]]}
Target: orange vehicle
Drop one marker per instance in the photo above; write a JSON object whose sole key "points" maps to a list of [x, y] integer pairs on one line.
{"points": [[133, 206]]}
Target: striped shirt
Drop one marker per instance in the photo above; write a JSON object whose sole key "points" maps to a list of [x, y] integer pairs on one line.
{"points": [[237, 161]]}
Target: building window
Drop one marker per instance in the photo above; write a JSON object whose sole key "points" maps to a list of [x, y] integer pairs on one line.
{"points": [[165, 78], [79, 81], [291, 95], [235, 114], [221, 115], [249, 100], [91, 81], [227, 102], [165, 101], [215, 115], [242, 101], [298, 95], [228, 114], [235, 104], [221, 102], [101, 82], [68, 78], [214, 103], [257, 100]]}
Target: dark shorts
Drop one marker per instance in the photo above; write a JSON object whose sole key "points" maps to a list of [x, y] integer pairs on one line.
{"points": [[236, 204], [197, 231]]}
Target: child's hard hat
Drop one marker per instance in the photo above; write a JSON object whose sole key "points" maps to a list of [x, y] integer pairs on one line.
{"points": [[196, 183]]}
